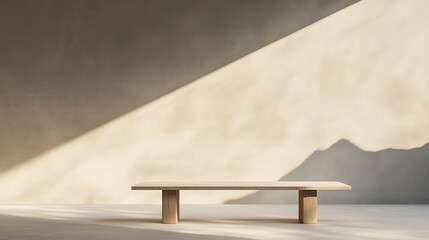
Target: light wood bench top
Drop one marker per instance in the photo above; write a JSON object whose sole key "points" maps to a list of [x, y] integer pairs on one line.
{"points": [[279, 185]]}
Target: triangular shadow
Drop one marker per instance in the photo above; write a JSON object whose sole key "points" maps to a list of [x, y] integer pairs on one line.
{"points": [[68, 67]]}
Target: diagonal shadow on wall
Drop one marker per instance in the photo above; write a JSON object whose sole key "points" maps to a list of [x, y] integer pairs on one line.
{"points": [[67, 67], [389, 176]]}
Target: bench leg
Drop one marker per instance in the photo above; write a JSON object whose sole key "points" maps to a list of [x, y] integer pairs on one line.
{"points": [[170, 206], [307, 206], [178, 205]]}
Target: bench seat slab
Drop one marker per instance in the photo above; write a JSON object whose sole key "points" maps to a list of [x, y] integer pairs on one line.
{"points": [[281, 185]]}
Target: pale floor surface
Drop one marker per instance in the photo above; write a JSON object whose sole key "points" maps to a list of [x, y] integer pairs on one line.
{"points": [[212, 222]]}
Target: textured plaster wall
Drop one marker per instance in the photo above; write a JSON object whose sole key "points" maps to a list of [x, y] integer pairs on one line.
{"points": [[69, 66], [360, 74]]}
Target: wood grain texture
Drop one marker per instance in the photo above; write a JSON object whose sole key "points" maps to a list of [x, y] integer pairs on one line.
{"points": [[281, 185], [170, 206], [307, 206]]}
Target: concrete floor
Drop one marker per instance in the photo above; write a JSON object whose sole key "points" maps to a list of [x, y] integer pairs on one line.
{"points": [[212, 222]]}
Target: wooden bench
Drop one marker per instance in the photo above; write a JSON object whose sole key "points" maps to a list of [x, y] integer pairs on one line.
{"points": [[307, 194]]}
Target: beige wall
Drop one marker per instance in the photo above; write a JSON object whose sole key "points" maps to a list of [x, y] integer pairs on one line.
{"points": [[360, 74], [69, 66]]}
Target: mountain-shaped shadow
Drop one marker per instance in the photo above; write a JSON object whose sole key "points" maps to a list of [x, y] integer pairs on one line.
{"points": [[389, 176]]}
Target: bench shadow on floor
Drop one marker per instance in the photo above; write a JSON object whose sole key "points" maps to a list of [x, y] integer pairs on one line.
{"points": [[214, 221]]}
